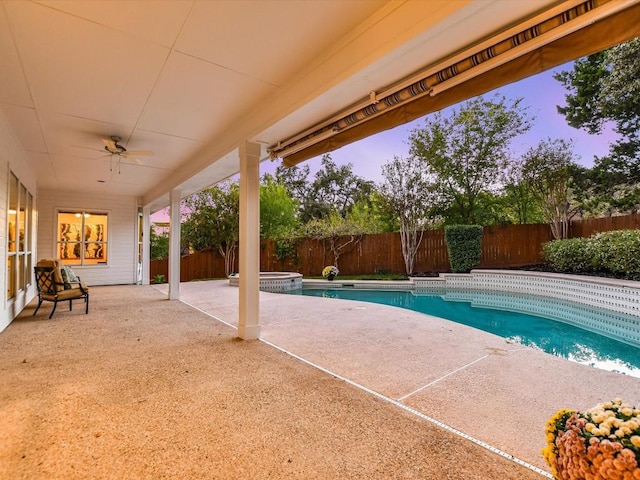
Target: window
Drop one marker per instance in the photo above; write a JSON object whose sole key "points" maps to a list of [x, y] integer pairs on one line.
{"points": [[82, 238], [19, 236]]}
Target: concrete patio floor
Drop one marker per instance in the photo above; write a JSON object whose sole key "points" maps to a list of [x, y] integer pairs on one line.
{"points": [[143, 387], [496, 391]]}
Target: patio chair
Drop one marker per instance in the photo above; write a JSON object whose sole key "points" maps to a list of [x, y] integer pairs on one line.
{"points": [[55, 286]]}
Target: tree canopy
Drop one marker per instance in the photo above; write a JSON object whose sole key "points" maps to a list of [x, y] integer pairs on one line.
{"points": [[547, 169], [605, 88], [467, 151], [333, 188], [278, 211], [210, 220]]}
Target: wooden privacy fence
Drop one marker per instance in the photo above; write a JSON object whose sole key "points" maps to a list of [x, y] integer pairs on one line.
{"points": [[586, 228], [503, 246]]}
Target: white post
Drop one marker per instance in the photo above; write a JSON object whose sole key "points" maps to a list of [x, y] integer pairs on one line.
{"points": [[249, 249], [146, 244], [174, 246]]}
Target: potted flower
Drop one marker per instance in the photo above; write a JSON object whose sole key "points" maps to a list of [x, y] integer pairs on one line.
{"points": [[601, 443], [330, 272]]}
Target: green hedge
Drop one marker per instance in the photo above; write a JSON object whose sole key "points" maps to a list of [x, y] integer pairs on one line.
{"points": [[464, 244], [568, 256], [609, 253]]}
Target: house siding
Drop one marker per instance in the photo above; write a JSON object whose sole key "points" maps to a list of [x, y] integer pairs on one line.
{"points": [[121, 234]]}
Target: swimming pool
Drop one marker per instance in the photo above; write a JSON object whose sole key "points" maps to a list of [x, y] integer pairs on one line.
{"points": [[554, 337]]}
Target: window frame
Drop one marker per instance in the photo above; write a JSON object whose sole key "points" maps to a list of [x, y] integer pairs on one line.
{"points": [[82, 215], [19, 241]]}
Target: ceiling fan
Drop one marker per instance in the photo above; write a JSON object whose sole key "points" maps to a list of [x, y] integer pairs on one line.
{"points": [[113, 147]]}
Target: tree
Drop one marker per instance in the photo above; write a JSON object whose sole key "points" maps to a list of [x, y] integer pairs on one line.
{"points": [[518, 196], [408, 192], [278, 211], [372, 215], [583, 108], [341, 233], [605, 87], [547, 168], [335, 188], [466, 152], [211, 220], [587, 191], [295, 181], [159, 244]]}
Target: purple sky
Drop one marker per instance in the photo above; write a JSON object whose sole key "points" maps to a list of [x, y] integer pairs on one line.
{"points": [[541, 93]]}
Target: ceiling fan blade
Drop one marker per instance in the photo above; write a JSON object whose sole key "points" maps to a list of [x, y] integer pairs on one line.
{"points": [[101, 150], [138, 153]]}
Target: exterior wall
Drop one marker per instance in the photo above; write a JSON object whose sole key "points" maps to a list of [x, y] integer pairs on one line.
{"points": [[121, 235], [13, 158]]}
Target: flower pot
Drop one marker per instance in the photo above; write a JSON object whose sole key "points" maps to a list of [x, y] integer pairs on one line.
{"points": [[330, 277]]}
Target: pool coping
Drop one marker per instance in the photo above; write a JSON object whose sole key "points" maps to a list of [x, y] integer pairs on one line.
{"points": [[443, 277], [273, 281], [613, 305]]}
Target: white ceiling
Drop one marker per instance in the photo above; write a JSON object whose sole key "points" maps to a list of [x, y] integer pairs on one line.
{"points": [[190, 80]]}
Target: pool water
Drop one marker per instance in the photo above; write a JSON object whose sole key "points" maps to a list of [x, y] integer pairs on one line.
{"points": [[551, 336]]}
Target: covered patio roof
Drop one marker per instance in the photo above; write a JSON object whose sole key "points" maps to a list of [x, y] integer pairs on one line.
{"points": [[190, 81]]}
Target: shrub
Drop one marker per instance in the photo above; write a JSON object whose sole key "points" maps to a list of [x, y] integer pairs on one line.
{"points": [[464, 244], [568, 256], [614, 253]]}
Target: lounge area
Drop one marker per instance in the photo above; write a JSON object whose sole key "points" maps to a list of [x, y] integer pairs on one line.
{"points": [[109, 114], [144, 387]]}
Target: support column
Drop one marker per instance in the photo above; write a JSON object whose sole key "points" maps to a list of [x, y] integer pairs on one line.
{"points": [[146, 245], [174, 246], [249, 249]]}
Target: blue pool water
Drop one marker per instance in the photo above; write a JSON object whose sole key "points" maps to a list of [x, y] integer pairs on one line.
{"points": [[551, 336]]}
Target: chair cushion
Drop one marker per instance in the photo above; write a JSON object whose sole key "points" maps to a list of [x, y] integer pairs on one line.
{"points": [[57, 275], [70, 293]]}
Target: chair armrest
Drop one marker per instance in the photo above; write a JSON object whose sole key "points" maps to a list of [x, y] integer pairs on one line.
{"points": [[75, 284], [82, 285]]}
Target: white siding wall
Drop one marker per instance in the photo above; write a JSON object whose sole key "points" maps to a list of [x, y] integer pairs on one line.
{"points": [[123, 217], [13, 158]]}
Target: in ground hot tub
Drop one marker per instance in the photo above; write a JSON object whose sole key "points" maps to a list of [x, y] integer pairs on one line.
{"points": [[273, 281]]}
